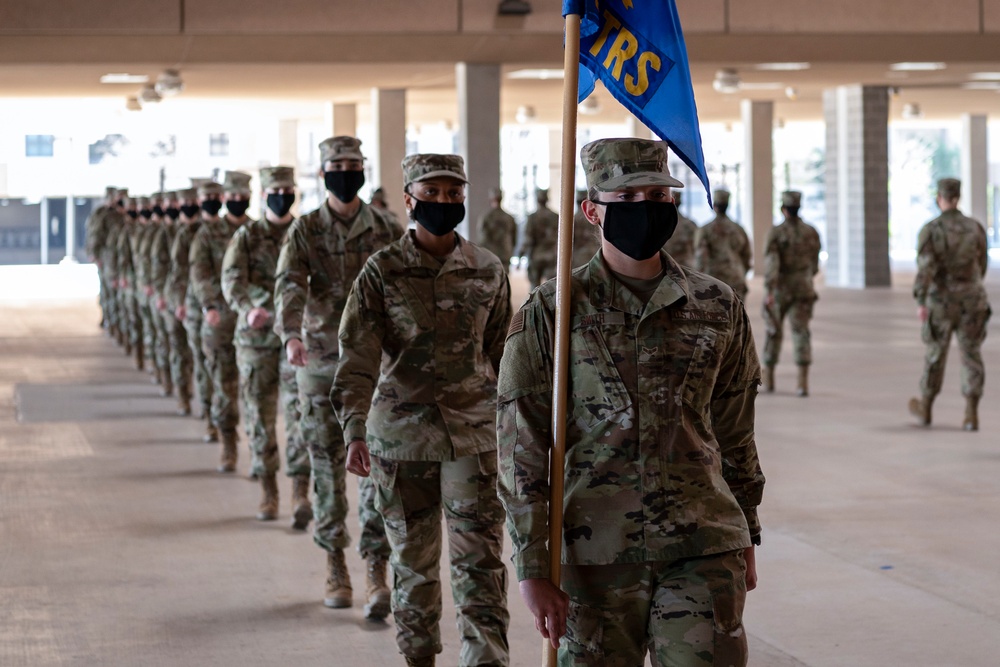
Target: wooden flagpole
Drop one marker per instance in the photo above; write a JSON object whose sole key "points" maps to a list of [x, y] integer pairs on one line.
{"points": [[564, 261]]}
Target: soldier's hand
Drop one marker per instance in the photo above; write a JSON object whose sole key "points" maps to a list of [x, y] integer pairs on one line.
{"points": [[749, 555], [923, 313], [769, 301], [295, 350], [258, 318], [181, 312], [358, 460], [212, 317], [549, 605], [148, 290], [161, 304]]}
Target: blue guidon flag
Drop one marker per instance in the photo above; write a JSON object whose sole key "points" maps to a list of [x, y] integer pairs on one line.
{"points": [[637, 49]]}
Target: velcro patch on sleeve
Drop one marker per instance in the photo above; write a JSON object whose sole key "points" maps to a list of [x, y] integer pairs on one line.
{"points": [[516, 324]]}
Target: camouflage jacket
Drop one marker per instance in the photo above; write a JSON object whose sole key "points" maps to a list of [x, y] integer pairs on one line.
{"points": [[159, 257], [541, 235], [144, 263], [178, 287], [680, 245], [318, 263], [661, 462], [114, 223], [248, 271], [951, 258], [722, 250], [124, 255], [440, 327], [586, 239], [97, 232], [207, 249], [791, 259], [498, 234]]}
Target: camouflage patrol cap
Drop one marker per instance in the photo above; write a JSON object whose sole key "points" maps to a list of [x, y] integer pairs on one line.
{"points": [[188, 194], [170, 195], [209, 188], [720, 197], [121, 192], [791, 198], [613, 164], [423, 166], [542, 194], [237, 183], [110, 191], [198, 182], [496, 193], [129, 202], [950, 188], [277, 177], [340, 148], [143, 202]]}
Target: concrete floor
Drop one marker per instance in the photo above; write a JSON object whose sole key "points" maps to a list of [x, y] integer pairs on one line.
{"points": [[120, 545]]}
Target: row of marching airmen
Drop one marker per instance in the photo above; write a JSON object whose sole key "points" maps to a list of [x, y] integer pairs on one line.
{"points": [[395, 355]]}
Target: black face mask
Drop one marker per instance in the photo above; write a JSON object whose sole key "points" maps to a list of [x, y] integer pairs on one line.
{"points": [[158, 210], [132, 214], [344, 184], [145, 213], [280, 204], [438, 218], [639, 229], [120, 203], [190, 210], [237, 207], [211, 206], [172, 212]]}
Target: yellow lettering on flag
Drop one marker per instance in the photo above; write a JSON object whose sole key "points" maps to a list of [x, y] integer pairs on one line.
{"points": [[610, 23], [627, 3], [638, 87], [624, 47]]}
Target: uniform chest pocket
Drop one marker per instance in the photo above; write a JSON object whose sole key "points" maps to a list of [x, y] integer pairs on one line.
{"points": [[597, 389]]}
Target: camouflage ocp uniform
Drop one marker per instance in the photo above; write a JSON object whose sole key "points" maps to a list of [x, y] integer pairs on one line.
{"points": [[951, 262], [662, 480], [319, 261], [421, 339], [680, 245], [586, 237], [96, 238], [141, 265], [172, 338], [722, 249], [125, 263], [791, 259], [498, 233], [539, 245]]}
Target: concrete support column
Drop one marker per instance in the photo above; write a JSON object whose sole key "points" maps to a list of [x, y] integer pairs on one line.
{"points": [[389, 112], [857, 186], [43, 225], [70, 257], [478, 135], [288, 142], [758, 213], [975, 168], [341, 120]]}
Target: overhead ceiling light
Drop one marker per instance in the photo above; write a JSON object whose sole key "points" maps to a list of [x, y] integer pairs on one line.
{"points": [[525, 114], [514, 8], [773, 85], [726, 81], [590, 106], [782, 67], [917, 67], [985, 76], [981, 85], [132, 104], [148, 95], [541, 74], [169, 83], [122, 77], [912, 111]]}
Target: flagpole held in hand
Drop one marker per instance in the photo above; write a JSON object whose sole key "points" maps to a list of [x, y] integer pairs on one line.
{"points": [[564, 265]]}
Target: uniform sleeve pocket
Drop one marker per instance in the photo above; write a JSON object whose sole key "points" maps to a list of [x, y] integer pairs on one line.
{"points": [[585, 629], [702, 371]]}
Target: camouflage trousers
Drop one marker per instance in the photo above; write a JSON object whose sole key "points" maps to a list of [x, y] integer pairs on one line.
{"points": [[541, 269], [967, 319], [686, 613], [220, 361], [162, 321], [130, 306], [328, 454], [799, 312], [180, 356], [411, 495], [148, 331], [266, 375], [109, 303], [199, 364]]}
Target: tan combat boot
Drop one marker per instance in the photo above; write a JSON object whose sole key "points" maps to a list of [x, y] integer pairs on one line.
{"points": [[423, 661], [183, 405], [339, 594], [769, 379], [211, 433], [921, 409], [268, 510], [227, 461], [803, 387], [168, 384], [302, 512], [377, 592], [140, 363], [971, 422]]}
